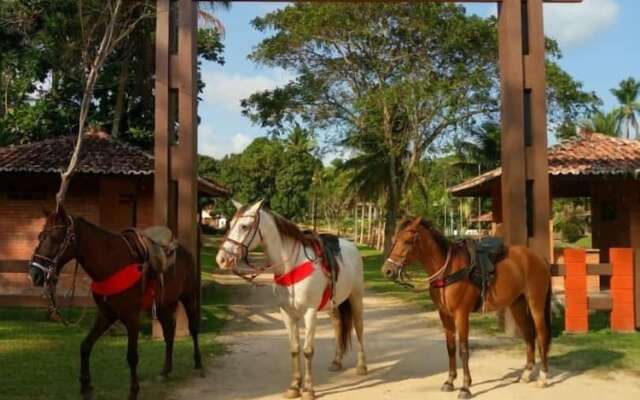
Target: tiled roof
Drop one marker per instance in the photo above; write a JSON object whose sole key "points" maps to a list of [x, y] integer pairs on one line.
{"points": [[588, 154], [100, 154]]}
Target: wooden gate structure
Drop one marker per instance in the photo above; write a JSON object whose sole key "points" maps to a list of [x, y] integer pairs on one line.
{"points": [[525, 181]]}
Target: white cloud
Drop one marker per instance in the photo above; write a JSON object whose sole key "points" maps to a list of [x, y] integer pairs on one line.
{"points": [[226, 90], [574, 24], [217, 145]]}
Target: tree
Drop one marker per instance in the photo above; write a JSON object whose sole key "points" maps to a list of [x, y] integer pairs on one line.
{"points": [[627, 94], [607, 123], [274, 170], [404, 73], [40, 72]]}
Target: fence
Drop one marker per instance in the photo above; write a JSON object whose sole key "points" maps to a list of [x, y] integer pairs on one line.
{"points": [[623, 298]]}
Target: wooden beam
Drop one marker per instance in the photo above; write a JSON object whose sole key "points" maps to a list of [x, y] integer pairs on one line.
{"points": [[14, 266], [599, 302], [162, 158], [512, 106], [592, 269]]}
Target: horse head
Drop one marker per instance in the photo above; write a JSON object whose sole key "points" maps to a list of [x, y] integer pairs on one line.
{"points": [[54, 248], [403, 250], [243, 235]]}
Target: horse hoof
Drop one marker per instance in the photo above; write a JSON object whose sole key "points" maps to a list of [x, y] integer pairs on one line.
{"points": [[308, 395], [542, 384], [361, 370], [335, 366], [542, 379], [447, 387], [292, 393], [464, 394], [525, 377]]}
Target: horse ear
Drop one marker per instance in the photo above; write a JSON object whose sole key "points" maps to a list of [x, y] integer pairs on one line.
{"points": [[236, 204], [416, 222], [254, 208]]}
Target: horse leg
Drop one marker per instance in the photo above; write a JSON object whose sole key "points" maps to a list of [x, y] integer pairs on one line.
{"points": [[293, 391], [541, 312], [462, 323], [336, 364], [524, 321], [167, 318], [357, 310], [310, 321], [193, 315], [133, 330], [450, 333], [100, 326]]}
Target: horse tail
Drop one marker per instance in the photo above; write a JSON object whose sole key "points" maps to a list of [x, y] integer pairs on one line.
{"points": [[346, 326], [547, 315]]}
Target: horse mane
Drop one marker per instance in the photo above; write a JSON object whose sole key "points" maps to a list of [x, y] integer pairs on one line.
{"points": [[289, 229], [439, 238]]}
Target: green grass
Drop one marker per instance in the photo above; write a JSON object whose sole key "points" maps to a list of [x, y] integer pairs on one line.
{"points": [[41, 360], [598, 351]]}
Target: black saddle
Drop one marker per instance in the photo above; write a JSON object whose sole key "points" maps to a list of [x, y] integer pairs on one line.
{"points": [[484, 254]]}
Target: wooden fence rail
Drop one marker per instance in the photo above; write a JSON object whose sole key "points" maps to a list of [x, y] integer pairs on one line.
{"points": [[623, 298]]}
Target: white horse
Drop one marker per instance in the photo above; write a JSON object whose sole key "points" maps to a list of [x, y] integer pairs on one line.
{"points": [[301, 287]]}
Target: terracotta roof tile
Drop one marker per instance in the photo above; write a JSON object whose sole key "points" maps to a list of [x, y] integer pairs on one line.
{"points": [[589, 154], [100, 154]]}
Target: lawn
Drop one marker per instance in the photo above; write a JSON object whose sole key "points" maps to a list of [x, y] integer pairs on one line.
{"points": [[599, 351], [41, 360]]}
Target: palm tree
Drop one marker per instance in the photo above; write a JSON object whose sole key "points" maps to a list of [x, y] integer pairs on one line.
{"points": [[603, 122], [627, 94], [482, 147]]}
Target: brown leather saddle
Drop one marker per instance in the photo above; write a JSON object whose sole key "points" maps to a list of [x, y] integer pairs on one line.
{"points": [[155, 247]]}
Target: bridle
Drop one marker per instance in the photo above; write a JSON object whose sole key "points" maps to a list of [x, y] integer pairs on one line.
{"points": [[52, 272], [402, 275], [243, 246]]}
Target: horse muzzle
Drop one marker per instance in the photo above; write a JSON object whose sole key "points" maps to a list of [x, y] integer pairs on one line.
{"points": [[37, 274], [389, 270]]}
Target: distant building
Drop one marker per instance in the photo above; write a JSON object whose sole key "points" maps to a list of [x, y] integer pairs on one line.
{"points": [[113, 188]]}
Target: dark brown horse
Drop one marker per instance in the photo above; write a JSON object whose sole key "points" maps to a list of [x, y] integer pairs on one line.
{"points": [[522, 283], [102, 254]]}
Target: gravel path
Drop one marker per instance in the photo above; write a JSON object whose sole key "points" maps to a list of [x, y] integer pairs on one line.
{"points": [[406, 356]]}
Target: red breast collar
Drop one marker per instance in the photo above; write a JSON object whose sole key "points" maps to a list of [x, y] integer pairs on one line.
{"points": [[300, 273], [118, 282]]}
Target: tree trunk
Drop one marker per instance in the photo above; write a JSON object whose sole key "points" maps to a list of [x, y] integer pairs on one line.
{"points": [[369, 224], [120, 98]]}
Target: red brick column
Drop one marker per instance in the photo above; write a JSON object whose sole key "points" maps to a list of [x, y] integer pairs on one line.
{"points": [[622, 312], [576, 312]]}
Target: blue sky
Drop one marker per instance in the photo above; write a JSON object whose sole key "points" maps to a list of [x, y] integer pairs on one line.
{"points": [[599, 39]]}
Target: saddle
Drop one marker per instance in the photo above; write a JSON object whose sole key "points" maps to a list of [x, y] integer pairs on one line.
{"points": [[327, 249], [484, 254], [154, 246]]}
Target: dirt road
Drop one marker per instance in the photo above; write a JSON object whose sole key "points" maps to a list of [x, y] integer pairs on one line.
{"points": [[406, 356]]}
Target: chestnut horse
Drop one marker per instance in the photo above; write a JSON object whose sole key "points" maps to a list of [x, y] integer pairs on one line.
{"points": [[102, 254], [522, 283]]}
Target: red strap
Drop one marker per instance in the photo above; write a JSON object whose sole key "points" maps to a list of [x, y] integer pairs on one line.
{"points": [[118, 282], [326, 296], [300, 273]]}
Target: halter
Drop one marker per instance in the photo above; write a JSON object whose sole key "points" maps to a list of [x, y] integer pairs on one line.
{"points": [[52, 271], [403, 263], [244, 249]]}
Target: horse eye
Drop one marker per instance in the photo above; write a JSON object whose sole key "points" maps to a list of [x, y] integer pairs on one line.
{"points": [[244, 227]]}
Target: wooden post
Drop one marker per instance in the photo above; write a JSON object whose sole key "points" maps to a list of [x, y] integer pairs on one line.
{"points": [[622, 294], [175, 181], [576, 312]]}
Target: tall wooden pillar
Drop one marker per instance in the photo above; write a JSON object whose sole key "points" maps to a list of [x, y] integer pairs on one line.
{"points": [[176, 136], [525, 180]]}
